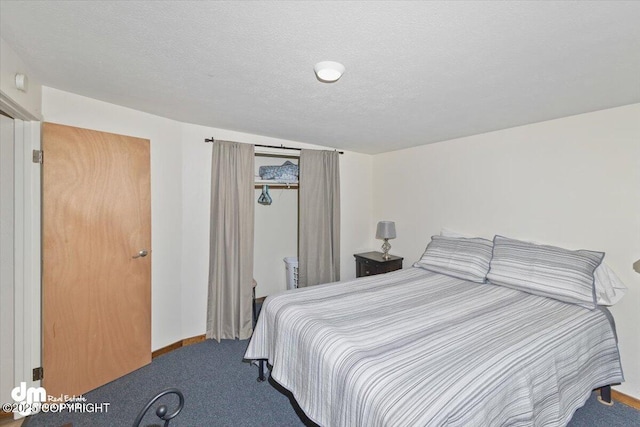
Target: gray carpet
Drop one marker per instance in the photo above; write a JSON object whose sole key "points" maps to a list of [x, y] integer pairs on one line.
{"points": [[221, 390]]}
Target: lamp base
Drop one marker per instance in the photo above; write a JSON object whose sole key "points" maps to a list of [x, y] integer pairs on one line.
{"points": [[386, 246]]}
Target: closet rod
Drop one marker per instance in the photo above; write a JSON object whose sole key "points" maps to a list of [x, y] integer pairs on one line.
{"points": [[281, 147]]}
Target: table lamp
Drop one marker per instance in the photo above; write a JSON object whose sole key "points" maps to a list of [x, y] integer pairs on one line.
{"points": [[386, 230]]}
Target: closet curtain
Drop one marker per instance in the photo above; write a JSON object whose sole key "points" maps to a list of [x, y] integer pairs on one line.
{"points": [[319, 218], [229, 304]]}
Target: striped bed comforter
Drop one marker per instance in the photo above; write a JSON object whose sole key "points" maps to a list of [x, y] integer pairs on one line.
{"points": [[415, 348]]}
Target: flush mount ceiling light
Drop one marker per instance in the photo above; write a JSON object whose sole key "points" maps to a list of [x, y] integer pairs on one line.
{"points": [[328, 71]]}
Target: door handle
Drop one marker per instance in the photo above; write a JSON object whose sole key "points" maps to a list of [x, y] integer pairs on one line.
{"points": [[143, 253]]}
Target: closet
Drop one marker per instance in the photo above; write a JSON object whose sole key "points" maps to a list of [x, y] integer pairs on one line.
{"points": [[248, 242], [276, 225]]}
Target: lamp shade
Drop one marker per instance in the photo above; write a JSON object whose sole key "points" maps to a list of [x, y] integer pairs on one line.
{"points": [[386, 230]]}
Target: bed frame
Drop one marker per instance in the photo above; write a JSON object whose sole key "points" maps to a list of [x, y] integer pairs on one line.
{"points": [[261, 377], [605, 395]]}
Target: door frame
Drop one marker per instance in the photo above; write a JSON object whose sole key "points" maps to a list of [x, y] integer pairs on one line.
{"points": [[27, 244]]}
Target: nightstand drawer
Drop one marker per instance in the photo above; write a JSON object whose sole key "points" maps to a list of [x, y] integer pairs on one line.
{"points": [[372, 263]]}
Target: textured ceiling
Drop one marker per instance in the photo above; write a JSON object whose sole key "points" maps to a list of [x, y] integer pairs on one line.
{"points": [[416, 72]]}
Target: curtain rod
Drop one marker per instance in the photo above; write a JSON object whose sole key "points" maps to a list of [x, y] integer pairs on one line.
{"points": [[281, 147]]}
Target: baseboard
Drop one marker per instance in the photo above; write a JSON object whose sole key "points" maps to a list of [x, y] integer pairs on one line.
{"points": [[159, 352], [178, 344], [625, 399], [193, 340]]}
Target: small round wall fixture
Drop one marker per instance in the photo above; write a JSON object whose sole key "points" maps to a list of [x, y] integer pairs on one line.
{"points": [[328, 71], [21, 82]]}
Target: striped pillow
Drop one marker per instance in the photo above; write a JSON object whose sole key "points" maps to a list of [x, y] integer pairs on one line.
{"points": [[545, 270], [464, 258]]}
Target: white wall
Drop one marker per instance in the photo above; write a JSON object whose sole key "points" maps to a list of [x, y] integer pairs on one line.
{"points": [[10, 65], [357, 220], [572, 182]]}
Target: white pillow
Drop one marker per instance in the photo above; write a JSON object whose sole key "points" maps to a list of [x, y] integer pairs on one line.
{"points": [[450, 233], [609, 287]]}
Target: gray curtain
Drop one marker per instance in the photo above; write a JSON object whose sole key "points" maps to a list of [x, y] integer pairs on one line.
{"points": [[319, 218], [231, 249]]}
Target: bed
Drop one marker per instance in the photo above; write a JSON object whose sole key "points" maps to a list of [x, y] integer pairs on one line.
{"points": [[419, 348]]}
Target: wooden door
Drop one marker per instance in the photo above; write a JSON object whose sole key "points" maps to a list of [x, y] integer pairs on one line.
{"points": [[96, 217]]}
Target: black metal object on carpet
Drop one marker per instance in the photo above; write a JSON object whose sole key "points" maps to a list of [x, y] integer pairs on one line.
{"points": [[161, 412]]}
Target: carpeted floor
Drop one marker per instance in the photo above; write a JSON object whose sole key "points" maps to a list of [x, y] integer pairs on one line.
{"points": [[221, 390]]}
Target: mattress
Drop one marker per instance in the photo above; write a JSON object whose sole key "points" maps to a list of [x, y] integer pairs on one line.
{"points": [[415, 348]]}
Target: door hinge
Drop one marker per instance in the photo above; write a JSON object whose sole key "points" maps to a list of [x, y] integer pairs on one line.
{"points": [[37, 156], [38, 373]]}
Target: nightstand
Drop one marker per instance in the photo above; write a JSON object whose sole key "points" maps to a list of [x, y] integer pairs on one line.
{"points": [[372, 263]]}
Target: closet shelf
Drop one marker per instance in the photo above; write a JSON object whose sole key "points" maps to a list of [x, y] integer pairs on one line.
{"points": [[276, 184]]}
